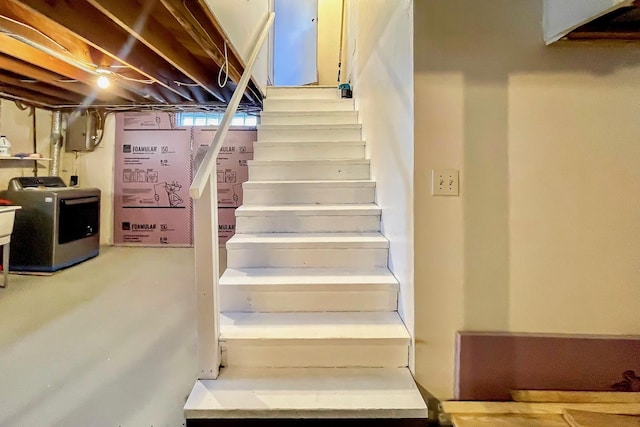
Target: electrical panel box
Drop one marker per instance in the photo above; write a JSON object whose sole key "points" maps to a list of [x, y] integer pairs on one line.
{"points": [[81, 132]]}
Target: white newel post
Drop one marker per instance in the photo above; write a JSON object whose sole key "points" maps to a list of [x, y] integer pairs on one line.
{"points": [[207, 276]]}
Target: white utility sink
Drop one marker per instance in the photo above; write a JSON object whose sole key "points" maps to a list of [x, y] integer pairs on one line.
{"points": [[7, 215]]}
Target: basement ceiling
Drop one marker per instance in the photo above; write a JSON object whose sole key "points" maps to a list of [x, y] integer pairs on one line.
{"points": [[156, 54]]}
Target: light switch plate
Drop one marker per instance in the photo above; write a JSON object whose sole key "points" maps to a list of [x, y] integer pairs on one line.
{"points": [[445, 182]]}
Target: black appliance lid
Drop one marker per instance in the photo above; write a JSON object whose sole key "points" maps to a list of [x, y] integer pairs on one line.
{"points": [[22, 182]]}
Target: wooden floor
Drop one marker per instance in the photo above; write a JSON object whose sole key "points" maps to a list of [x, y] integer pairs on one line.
{"points": [[109, 342], [313, 422]]}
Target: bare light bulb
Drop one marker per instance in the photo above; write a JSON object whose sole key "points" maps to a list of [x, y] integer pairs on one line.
{"points": [[104, 82]]}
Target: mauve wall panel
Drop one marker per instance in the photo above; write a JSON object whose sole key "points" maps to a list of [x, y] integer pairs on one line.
{"points": [[490, 365]]}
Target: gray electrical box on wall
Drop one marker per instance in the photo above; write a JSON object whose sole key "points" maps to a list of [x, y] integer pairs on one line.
{"points": [[81, 132]]}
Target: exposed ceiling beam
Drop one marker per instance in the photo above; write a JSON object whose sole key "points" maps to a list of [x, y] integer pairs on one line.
{"points": [[26, 53], [198, 21], [252, 92], [158, 52], [103, 34], [29, 96], [604, 35], [200, 27], [30, 54], [622, 24], [131, 15], [17, 20], [52, 79], [28, 27], [34, 86]]}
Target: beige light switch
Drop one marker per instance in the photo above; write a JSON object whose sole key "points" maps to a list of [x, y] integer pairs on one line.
{"points": [[445, 182]]}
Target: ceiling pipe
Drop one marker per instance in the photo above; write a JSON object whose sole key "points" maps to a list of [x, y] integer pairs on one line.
{"points": [[56, 142]]}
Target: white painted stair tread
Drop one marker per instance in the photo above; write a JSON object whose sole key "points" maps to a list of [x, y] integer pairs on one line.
{"points": [[328, 210], [310, 127], [307, 113], [311, 192], [312, 182], [293, 170], [302, 92], [288, 104], [307, 276], [304, 240], [308, 117], [306, 143], [308, 163], [302, 87], [294, 103], [307, 393], [313, 326]]}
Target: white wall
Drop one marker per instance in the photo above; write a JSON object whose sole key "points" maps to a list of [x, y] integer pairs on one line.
{"points": [[242, 20], [544, 237], [381, 70], [17, 126], [329, 24]]}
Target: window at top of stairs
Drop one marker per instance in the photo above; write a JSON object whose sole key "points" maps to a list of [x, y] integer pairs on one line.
{"points": [[201, 118]]}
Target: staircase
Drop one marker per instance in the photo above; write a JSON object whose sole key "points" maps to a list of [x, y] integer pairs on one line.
{"points": [[309, 327]]}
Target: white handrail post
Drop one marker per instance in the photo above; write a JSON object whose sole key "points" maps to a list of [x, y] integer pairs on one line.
{"points": [[205, 211], [204, 191]]}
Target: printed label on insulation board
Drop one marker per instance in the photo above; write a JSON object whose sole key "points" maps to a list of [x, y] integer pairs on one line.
{"points": [[231, 169], [155, 163], [152, 178]]}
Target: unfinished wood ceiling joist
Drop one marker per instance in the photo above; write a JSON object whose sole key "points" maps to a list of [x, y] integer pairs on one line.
{"points": [[154, 52], [622, 24]]}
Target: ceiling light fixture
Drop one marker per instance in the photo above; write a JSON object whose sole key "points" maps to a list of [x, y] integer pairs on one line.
{"points": [[104, 80]]}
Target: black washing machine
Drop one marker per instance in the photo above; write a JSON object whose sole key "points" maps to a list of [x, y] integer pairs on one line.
{"points": [[58, 226]]}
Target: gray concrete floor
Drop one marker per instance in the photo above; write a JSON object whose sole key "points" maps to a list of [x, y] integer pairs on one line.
{"points": [[110, 342]]}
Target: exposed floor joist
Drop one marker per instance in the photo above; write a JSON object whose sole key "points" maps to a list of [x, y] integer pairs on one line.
{"points": [[155, 52], [622, 24]]}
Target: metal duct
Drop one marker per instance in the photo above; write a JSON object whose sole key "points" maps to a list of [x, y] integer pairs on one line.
{"points": [[56, 141]]}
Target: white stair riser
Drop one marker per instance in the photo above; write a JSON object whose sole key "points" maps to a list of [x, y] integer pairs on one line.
{"points": [[285, 194], [303, 93], [311, 134], [256, 256], [308, 105], [308, 223], [315, 353], [253, 299], [335, 118], [319, 171], [327, 150]]}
